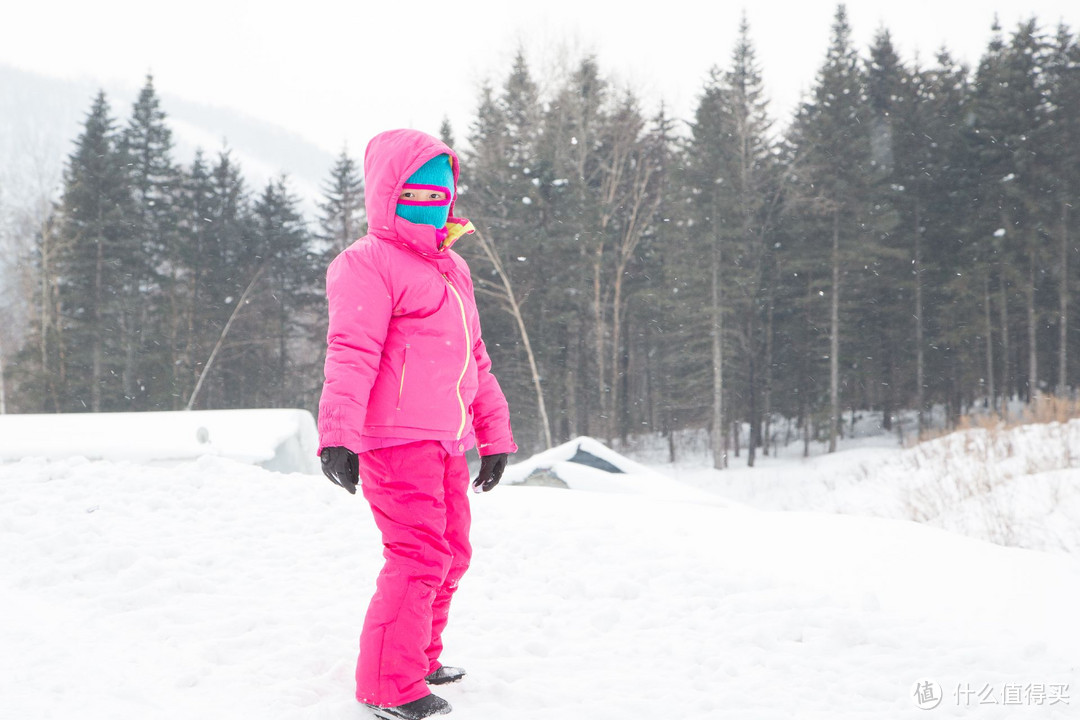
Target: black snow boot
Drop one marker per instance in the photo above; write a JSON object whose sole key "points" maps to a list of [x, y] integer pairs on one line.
{"points": [[416, 710], [445, 675]]}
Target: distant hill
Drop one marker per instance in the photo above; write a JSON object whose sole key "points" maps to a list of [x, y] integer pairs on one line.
{"points": [[41, 116]]}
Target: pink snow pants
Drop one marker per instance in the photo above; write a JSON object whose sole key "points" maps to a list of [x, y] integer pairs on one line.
{"points": [[419, 495]]}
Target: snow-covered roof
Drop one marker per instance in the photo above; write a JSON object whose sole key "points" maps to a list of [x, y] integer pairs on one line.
{"points": [[579, 464]]}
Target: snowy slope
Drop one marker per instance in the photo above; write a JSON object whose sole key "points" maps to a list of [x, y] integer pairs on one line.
{"points": [[214, 589], [1018, 487]]}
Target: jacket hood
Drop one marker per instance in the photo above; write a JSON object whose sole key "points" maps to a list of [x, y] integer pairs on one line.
{"points": [[391, 157]]}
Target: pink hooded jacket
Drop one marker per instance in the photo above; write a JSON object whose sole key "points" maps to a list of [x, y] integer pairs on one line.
{"points": [[404, 358]]}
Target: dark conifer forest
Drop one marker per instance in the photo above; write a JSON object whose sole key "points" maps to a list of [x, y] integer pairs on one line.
{"points": [[909, 240]]}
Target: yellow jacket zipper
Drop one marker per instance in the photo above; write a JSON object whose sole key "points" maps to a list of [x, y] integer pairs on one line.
{"points": [[468, 353], [401, 385]]}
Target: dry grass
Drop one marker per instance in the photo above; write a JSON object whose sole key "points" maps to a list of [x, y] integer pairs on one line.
{"points": [[967, 475], [1043, 410]]}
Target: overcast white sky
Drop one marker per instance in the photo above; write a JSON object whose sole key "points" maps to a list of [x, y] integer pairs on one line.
{"points": [[337, 71]]}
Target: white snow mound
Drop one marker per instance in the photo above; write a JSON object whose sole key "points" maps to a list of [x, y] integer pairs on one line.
{"points": [[282, 440]]}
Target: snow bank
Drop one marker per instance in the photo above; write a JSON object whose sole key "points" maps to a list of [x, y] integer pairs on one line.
{"points": [[280, 440], [1018, 487]]}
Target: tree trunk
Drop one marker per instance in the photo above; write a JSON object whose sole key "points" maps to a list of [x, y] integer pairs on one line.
{"points": [[574, 353], [717, 316], [920, 379], [176, 358], [806, 436], [617, 376], [50, 313], [3, 393], [651, 378], [96, 350], [1006, 378], [988, 317], [766, 400], [755, 421], [60, 385], [1032, 318], [130, 328], [599, 327], [834, 337], [1063, 305], [280, 388]]}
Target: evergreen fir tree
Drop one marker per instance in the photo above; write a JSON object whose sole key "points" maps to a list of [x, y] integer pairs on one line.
{"points": [[894, 212], [96, 260], [279, 354], [341, 211], [229, 260], [732, 175], [150, 320], [191, 266], [446, 132], [1008, 123], [502, 193], [1062, 146], [834, 170], [936, 201]]}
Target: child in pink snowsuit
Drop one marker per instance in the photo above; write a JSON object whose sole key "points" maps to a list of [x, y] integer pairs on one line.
{"points": [[408, 389]]}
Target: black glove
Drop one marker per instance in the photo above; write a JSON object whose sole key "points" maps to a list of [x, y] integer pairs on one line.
{"points": [[491, 470], [341, 466]]}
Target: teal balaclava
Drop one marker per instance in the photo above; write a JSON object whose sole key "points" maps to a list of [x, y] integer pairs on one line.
{"points": [[436, 173]]}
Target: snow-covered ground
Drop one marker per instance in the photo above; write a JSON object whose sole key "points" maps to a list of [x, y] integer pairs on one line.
{"points": [[213, 588]]}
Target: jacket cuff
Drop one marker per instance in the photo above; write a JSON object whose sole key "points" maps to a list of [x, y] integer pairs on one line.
{"points": [[496, 448]]}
